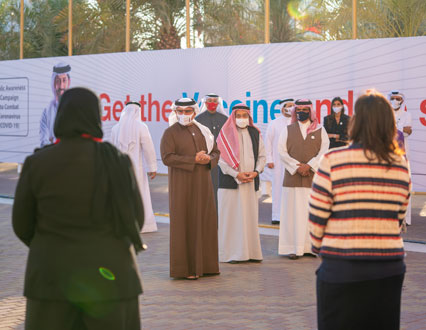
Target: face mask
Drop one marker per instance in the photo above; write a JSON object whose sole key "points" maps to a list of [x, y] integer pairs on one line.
{"points": [[337, 109], [242, 122], [212, 106], [302, 116], [184, 119], [288, 111], [395, 104]]}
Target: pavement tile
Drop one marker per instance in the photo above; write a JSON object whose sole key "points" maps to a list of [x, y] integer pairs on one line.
{"points": [[275, 294]]}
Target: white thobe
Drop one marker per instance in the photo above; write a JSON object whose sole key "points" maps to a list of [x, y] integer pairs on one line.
{"points": [[144, 160], [273, 132], [47, 123], [238, 209], [403, 119], [294, 232]]}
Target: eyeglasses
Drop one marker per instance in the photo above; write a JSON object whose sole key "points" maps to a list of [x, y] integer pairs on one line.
{"points": [[186, 112]]}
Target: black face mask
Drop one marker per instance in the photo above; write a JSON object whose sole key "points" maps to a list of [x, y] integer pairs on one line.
{"points": [[302, 116]]}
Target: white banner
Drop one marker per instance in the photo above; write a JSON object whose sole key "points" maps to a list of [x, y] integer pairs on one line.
{"points": [[258, 75]]}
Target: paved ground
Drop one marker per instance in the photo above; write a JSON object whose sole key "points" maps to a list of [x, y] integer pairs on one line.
{"points": [[276, 294], [416, 232], [160, 202]]}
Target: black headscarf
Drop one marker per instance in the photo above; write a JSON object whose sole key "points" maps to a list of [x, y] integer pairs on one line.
{"points": [[79, 116]]}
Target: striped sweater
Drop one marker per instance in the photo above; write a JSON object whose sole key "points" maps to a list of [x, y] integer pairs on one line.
{"points": [[357, 206]]}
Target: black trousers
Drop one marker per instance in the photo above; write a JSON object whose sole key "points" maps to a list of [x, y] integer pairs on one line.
{"points": [[364, 305], [109, 315]]}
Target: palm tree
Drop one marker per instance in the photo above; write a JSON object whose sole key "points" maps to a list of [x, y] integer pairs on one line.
{"points": [[9, 30], [42, 36], [229, 22], [167, 21], [375, 18], [282, 27]]}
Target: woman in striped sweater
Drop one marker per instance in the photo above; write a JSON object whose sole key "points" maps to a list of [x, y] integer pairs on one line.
{"points": [[357, 206]]}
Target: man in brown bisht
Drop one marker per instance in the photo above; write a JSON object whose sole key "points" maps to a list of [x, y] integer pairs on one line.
{"points": [[189, 150]]}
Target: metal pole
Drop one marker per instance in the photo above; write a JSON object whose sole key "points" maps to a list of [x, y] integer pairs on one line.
{"points": [[21, 32], [354, 22], [267, 7], [127, 25], [70, 28], [188, 26]]}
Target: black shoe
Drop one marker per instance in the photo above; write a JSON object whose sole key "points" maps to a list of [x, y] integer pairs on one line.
{"points": [[275, 222], [211, 274], [293, 257], [255, 260]]}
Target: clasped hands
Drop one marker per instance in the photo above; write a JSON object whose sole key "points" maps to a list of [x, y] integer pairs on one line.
{"points": [[336, 137], [245, 177], [303, 169], [202, 158]]}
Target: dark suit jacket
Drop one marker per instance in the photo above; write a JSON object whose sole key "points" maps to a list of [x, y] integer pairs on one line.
{"points": [[341, 128], [71, 257]]}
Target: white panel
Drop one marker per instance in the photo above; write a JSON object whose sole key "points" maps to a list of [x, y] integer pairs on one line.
{"points": [[258, 75]]}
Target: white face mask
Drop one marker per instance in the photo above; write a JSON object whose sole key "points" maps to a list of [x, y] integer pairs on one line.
{"points": [[395, 104], [242, 122], [184, 119], [337, 109], [288, 111]]}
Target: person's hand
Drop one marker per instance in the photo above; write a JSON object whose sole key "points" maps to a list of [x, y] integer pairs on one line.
{"points": [[205, 160], [244, 177], [303, 169], [306, 169], [152, 175], [241, 177], [198, 156], [408, 130], [202, 158], [300, 171], [270, 165], [251, 175]]}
